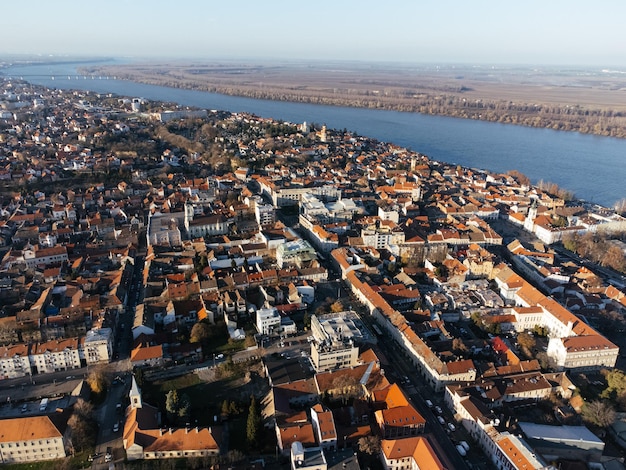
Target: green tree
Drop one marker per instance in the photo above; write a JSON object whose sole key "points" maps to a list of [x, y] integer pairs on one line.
{"points": [[253, 424], [172, 403], [225, 409], [616, 384]]}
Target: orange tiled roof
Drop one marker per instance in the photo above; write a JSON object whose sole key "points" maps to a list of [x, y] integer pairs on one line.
{"points": [[178, 439], [302, 432], [514, 455], [28, 429], [416, 447]]}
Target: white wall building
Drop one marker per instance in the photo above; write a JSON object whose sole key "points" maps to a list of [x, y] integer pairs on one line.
{"points": [[14, 361], [30, 439], [55, 355], [97, 346], [294, 253], [267, 320]]}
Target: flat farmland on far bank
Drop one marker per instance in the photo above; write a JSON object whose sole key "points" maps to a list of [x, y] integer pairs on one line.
{"points": [[588, 101]]}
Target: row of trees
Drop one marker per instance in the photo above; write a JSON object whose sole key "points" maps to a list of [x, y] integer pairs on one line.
{"points": [[598, 248], [601, 412], [555, 190], [446, 101], [83, 426]]}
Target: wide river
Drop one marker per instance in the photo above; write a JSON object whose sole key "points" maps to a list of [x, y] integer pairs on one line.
{"points": [[593, 167]]}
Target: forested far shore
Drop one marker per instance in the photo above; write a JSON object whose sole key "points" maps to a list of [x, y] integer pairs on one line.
{"points": [[442, 100]]}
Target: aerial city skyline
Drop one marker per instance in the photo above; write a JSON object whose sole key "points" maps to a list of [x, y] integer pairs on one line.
{"points": [[553, 33], [313, 235]]}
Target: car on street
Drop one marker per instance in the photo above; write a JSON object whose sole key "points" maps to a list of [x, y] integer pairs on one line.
{"points": [[118, 380], [116, 426]]}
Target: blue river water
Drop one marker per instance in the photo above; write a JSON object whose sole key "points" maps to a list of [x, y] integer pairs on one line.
{"points": [[593, 167]]}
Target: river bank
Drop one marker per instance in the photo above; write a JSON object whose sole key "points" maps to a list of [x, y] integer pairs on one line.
{"points": [[592, 167], [594, 106]]}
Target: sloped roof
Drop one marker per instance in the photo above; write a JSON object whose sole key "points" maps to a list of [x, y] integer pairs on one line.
{"points": [[28, 428]]}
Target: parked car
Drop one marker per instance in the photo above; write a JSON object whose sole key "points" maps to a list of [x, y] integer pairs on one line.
{"points": [[451, 427], [441, 420], [429, 403], [438, 410], [116, 426]]}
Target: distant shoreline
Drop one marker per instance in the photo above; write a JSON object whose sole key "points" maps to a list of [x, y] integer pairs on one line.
{"points": [[595, 105]]}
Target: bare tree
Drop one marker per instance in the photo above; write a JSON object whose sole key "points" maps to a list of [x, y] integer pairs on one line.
{"points": [[97, 381], [458, 346], [369, 445], [526, 341], [599, 413]]}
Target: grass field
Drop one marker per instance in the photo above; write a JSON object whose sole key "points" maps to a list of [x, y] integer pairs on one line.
{"points": [[233, 384]]}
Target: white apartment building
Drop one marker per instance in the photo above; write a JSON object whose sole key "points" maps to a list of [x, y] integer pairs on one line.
{"points": [[292, 195], [30, 439], [382, 235], [573, 344], [267, 320], [97, 346], [333, 346], [215, 224], [14, 361], [55, 355], [582, 352], [332, 357], [45, 256], [265, 214], [294, 253]]}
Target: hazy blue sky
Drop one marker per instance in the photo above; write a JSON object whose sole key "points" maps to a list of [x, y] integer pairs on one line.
{"points": [[558, 32]]}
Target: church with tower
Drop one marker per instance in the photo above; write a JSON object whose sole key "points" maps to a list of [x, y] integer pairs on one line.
{"points": [[145, 437]]}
